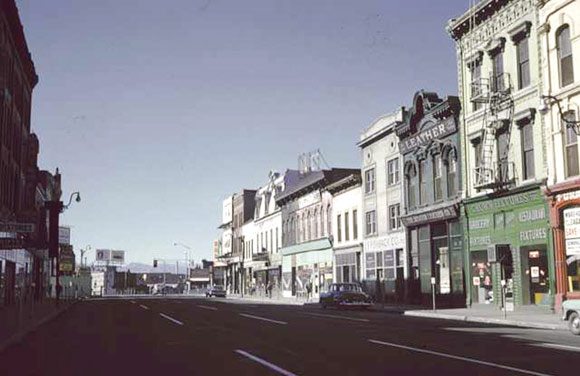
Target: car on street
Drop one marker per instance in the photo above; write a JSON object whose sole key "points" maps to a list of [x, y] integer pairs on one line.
{"points": [[345, 295], [571, 313], [217, 291]]}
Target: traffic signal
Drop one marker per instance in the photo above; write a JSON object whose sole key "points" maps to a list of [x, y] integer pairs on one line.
{"points": [[154, 263]]}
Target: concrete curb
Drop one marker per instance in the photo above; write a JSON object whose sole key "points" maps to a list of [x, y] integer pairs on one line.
{"points": [[19, 336], [486, 320]]}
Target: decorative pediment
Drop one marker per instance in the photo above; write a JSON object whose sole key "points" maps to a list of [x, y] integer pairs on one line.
{"points": [[495, 46], [520, 32]]}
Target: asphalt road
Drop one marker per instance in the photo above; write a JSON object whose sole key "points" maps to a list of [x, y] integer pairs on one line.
{"points": [[198, 336]]}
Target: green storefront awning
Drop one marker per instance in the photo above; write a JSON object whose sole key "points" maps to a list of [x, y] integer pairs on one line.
{"points": [[315, 245]]}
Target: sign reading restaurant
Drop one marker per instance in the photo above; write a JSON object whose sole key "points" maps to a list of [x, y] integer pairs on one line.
{"points": [[423, 137]]}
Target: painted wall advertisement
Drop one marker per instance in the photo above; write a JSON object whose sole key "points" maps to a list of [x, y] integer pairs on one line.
{"points": [[228, 210], [227, 242], [572, 231]]}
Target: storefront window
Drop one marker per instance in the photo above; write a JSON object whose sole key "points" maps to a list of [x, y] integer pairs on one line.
{"points": [[574, 276]]}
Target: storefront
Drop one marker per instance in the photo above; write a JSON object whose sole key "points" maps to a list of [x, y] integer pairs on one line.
{"points": [[347, 263], [509, 239], [436, 251], [564, 205], [384, 260], [306, 264]]}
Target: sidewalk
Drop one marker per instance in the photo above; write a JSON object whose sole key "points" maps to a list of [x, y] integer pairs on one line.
{"points": [[524, 317], [266, 300], [18, 320]]}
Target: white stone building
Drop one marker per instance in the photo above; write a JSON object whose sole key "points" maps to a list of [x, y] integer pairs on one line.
{"points": [[384, 243]]}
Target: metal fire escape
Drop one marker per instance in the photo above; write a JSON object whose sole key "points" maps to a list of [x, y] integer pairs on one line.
{"points": [[495, 94]]}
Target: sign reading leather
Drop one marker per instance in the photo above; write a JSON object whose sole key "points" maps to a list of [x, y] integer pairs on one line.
{"points": [[439, 130]]}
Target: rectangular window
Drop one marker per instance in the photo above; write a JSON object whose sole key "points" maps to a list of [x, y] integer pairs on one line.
{"points": [[371, 224], [476, 85], [438, 177], [571, 145], [393, 171], [498, 77], [370, 181], [271, 241], [394, 217], [355, 224], [277, 248], [528, 151], [422, 183], [523, 63], [346, 227], [477, 152], [338, 228]]}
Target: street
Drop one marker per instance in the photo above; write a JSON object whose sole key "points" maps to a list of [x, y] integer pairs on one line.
{"points": [[199, 336]]}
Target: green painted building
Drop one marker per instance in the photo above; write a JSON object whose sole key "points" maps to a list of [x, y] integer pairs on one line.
{"points": [[514, 228]]}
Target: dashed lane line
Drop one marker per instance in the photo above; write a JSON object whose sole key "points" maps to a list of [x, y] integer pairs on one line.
{"points": [[133, 302], [263, 319], [470, 360], [171, 319], [143, 306], [265, 363], [337, 317], [207, 307]]}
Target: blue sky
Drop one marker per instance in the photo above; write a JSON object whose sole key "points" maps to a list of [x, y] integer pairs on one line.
{"points": [[157, 110]]}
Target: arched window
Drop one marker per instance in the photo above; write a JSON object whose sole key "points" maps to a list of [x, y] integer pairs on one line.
{"points": [[565, 56], [451, 176], [411, 177], [437, 177]]}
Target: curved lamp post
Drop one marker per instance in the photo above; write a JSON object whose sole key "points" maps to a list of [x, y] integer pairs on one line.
{"points": [[547, 101]]}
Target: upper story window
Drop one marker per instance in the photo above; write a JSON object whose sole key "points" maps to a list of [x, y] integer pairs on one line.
{"points": [[571, 146], [393, 171], [523, 63], [565, 56], [476, 85], [339, 228], [451, 177], [370, 181], [371, 222], [498, 77], [528, 151], [346, 227], [412, 187], [355, 224], [438, 177], [423, 182], [395, 217]]}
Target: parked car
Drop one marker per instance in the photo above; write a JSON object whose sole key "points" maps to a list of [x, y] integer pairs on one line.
{"points": [[345, 295], [217, 291], [571, 313]]}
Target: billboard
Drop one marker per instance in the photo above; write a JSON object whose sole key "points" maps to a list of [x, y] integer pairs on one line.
{"points": [[103, 255], [66, 258], [118, 256], [227, 242], [228, 210], [63, 235]]}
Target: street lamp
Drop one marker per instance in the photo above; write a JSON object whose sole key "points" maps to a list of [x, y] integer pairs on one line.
{"points": [[547, 101], [175, 244], [78, 199], [83, 251]]}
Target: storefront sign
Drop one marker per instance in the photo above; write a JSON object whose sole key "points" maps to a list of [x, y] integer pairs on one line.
{"points": [[504, 202], [572, 231], [391, 241], [66, 258], [568, 196], [534, 234], [64, 235], [16, 227], [439, 130], [432, 216], [479, 224], [476, 281], [479, 240], [228, 210], [532, 215], [11, 243], [227, 242]]}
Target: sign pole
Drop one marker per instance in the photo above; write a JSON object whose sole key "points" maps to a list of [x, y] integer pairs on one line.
{"points": [[433, 283]]}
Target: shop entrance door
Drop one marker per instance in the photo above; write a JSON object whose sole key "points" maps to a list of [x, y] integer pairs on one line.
{"points": [[538, 274], [9, 284], [293, 282]]}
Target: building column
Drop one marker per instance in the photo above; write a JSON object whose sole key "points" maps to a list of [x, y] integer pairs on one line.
{"points": [[560, 267]]}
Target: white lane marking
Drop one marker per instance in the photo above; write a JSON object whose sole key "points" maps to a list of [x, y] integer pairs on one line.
{"points": [[143, 306], [263, 319], [171, 319], [337, 317], [208, 307], [273, 367], [133, 302], [557, 346], [460, 358]]}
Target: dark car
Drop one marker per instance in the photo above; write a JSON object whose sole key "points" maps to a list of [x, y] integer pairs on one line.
{"points": [[217, 291], [345, 295]]}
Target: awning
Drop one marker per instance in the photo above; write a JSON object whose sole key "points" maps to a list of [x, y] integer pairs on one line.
{"points": [[315, 245]]}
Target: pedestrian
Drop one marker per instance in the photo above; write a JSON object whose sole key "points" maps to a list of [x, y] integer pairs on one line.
{"points": [[308, 291], [270, 290]]}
